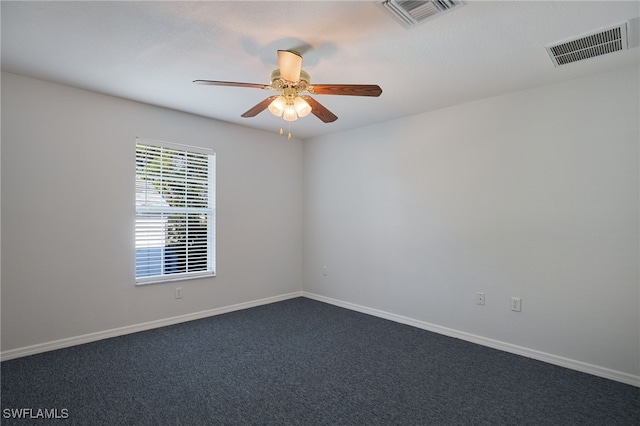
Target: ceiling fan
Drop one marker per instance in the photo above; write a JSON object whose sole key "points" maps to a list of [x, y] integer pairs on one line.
{"points": [[291, 80]]}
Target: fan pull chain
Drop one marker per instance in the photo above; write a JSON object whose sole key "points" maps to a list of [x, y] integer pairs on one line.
{"points": [[282, 128]]}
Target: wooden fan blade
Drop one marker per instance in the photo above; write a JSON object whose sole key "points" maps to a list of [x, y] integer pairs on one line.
{"points": [[347, 89], [232, 84], [290, 63], [319, 110], [258, 108]]}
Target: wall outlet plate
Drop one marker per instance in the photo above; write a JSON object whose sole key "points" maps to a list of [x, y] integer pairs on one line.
{"points": [[479, 298], [516, 304]]}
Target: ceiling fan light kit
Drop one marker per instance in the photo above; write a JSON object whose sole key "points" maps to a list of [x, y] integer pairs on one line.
{"points": [[291, 80], [302, 107], [290, 105]]}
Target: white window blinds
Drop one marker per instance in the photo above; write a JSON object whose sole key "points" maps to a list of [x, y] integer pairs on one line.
{"points": [[175, 212]]}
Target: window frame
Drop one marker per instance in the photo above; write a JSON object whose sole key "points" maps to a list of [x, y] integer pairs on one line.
{"points": [[210, 211]]}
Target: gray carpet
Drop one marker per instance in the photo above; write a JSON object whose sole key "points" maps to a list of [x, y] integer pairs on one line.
{"points": [[303, 362]]}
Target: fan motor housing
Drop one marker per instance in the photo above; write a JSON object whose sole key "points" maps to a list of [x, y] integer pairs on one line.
{"points": [[304, 76]]}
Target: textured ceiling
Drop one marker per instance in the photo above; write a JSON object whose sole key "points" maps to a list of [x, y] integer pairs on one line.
{"points": [[152, 51]]}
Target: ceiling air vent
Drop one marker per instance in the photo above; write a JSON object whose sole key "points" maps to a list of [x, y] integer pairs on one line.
{"points": [[410, 13], [602, 42]]}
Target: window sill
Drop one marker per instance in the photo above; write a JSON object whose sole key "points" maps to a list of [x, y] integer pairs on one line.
{"points": [[171, 279]]}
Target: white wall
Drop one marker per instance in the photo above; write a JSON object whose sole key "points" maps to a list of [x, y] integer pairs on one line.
{"points": [[532, 194], [68, 213]]}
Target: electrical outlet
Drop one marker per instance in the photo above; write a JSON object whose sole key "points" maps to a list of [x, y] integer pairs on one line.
{"points": [[479, 298], [516, 304], [325, 270], [178, 292]]}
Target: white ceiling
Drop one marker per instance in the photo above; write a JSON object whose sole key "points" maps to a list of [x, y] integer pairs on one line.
{"points": [[152, 51]]}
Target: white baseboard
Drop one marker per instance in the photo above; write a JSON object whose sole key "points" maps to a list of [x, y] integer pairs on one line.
{"points": [[584, 367], [92, 337], [595, 370]]}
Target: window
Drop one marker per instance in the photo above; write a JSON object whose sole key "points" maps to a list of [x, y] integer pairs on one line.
{"points": [[175, 212]]}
